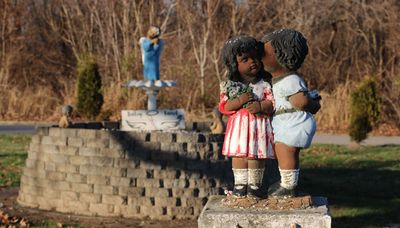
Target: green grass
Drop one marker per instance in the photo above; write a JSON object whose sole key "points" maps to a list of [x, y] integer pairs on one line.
{"points": [[362, 186], [13, 152]]}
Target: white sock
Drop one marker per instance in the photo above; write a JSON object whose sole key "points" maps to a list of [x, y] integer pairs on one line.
{"points": [[255, 178], [289, 177], [240, 176]]}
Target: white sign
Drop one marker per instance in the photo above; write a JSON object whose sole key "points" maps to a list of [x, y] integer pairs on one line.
{"points": [[162, 119]]}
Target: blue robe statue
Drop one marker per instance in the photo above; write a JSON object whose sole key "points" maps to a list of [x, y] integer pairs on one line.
{"points": [[151, 58]]}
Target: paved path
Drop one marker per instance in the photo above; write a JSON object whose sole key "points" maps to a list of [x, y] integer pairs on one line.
{"points": [[319, 138]]}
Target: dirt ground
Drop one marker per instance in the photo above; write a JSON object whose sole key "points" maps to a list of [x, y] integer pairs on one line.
{"points": [[21, 215]]}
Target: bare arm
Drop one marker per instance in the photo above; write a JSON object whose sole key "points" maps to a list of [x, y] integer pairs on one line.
{"points": [[303, 102], [260, 106]]}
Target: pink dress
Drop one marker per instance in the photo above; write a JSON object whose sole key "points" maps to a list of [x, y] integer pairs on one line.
{"points": [[248, 135]]}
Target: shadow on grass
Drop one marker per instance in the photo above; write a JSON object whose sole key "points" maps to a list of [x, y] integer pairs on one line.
{"points": [[358, 197]]}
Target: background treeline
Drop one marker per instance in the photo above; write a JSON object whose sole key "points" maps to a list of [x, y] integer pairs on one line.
{"points": [[41, 42]]}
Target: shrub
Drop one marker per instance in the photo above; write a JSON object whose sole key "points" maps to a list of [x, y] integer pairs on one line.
{"points": [[365, 109], [90, 97]]}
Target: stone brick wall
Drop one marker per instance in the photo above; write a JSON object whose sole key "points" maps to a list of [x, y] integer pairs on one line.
{"points": [[161, 175]]}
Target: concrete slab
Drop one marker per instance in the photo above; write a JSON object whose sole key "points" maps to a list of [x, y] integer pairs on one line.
{"points": [[217, 214]]}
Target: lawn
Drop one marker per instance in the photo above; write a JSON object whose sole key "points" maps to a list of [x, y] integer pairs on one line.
{"points": [[362, 186]]}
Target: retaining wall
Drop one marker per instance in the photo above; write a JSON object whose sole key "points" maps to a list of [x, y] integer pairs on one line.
{"points": [[161, 175]]}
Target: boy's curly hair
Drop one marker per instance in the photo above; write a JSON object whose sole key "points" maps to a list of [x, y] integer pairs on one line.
{"points": [[290, 47], [239, 45]]}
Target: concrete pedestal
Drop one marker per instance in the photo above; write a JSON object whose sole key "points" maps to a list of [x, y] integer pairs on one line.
{"points": [[216, 214]]}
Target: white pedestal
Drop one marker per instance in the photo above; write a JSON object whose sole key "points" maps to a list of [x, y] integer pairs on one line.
{"points": [[150, 120]]}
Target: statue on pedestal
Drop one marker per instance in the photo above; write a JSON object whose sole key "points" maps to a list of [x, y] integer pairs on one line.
{"points": [[151, 48]]}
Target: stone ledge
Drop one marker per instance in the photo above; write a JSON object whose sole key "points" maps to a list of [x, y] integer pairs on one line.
{"points": [[217, 214]]}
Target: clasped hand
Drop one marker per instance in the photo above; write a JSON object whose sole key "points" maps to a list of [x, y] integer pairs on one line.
{"points": [[254, 106]]}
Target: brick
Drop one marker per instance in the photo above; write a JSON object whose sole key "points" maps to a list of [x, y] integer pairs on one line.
{"points": [[158, 192], [55, 132], [75, 141], [137, 173], [73, 206], [192, 202], [55, 176], [60, 185], [180, 212], [97, 143], [34, 147], [79, 160], [49, 149], [58, 158], [201, 183], [191, 175], [101, 209], [205, 192], [176, 165], [58, 141], [76, 178], [68, 132], [69, 196], [89, 152], [153, 212], [42, 131], [166, 201], [46, 204], [114, 199], [34, 173], [68, 150], [185, 192], [98, 180], [131, 191], [186, 137], [121, 181], [166, 174], [164, 155], [137, 136], [34, 164], [90, 197], [86, 133], [126, 163], [140, 201], [112, 153], [105, 189], [36, 139], [102, 161], [127, 211], [152, 164], [32, 190], [67, 168], [85, 188], [51, 194], [148, 183], [99, 170], [28, 200], [164, 137], [177, 183], [197, 165]]}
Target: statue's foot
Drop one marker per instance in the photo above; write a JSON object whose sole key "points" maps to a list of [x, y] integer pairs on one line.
{"points": [[239, 190], [273, 187], [282, 192], [254, 192]]}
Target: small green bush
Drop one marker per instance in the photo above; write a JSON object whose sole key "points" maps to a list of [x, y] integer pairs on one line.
{"points": [[365, 109], [90, 97]]}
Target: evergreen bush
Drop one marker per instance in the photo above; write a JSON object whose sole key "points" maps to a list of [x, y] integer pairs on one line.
{"points": [[365, 109], [89, 94]]}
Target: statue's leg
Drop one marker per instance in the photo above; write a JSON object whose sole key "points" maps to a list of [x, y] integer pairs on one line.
{"points": [[288, 161], [239, 168], [255, 176]]}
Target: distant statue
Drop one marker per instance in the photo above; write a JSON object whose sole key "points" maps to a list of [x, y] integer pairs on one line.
{"points": [[65, 120], [151, 48], [218, 125]]}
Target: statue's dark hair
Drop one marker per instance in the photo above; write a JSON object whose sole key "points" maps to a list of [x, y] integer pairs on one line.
{"points": [[290, 47], [239, 45]]}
